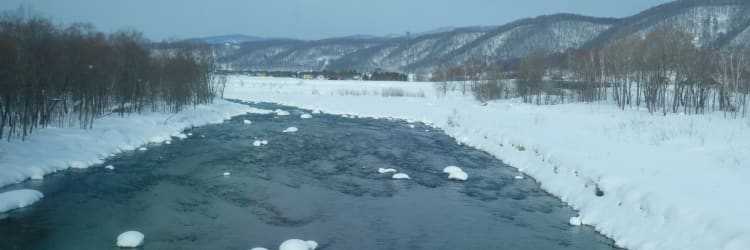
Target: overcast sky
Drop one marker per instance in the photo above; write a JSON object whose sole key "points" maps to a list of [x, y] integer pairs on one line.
{"points": [[309, 19]]}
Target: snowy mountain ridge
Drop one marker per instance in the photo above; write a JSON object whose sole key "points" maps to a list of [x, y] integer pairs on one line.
{"points": [[712, 23]]}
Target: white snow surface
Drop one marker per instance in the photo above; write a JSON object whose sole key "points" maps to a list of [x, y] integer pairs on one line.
{"points": [[130, 239], [15, 199], [575, 221], [53, 149], [669, 182]]}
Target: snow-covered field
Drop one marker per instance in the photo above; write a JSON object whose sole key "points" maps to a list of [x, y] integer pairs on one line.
{"points": [[53, 149], [647, 181]]}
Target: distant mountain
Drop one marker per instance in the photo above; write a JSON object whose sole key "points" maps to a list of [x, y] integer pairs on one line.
{"points": [[712, 23], [223, 39]]}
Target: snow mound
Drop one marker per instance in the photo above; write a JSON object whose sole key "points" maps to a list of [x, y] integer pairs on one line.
{"points": [[297, 244], [130, 239], [400, 176], [305, 116], [280, 112], [451, 169], [290, 130], [18, 198], [386, 170], [109, 167], [461, 176], [575, 221], [259, 143], [456, 173], [247, 122]]}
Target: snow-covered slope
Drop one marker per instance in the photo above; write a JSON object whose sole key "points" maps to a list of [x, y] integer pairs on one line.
{"points": [[649, 182]]}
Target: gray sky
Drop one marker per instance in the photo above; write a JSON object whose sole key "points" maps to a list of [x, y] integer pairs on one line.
{"points": [[310, 19]]}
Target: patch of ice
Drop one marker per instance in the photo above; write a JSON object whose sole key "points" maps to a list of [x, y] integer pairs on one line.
{"points": [[280, 112], [110, 167], [305, 116], [18, 198], [386, 170], [247, 122], [130, 239], [400, 176], [297, 244], [290, 130], [575, 221]]}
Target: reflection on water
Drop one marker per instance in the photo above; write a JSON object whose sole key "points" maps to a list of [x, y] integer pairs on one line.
{"points": [[320, 183]]}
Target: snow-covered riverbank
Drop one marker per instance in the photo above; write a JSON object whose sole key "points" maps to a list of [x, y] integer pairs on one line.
{"points": [[647, 181], [52, 149]]}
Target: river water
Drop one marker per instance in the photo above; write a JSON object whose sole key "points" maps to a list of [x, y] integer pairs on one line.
{"points": [[320, 183]]}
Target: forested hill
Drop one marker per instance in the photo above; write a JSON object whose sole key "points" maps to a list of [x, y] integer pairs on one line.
{"points": [[714, 23]]}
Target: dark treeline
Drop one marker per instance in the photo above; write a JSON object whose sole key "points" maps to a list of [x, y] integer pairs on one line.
{"points": [[68, 76], [662, 71]]}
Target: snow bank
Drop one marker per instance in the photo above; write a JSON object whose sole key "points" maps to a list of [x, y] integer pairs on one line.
{"points": [[130, 239], [290, 130], [18, 198], [53, 149], [666, 182], [296, 244], [400, 176]]}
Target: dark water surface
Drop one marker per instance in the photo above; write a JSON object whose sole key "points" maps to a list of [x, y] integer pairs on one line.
{"points": [[320, 183]]}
